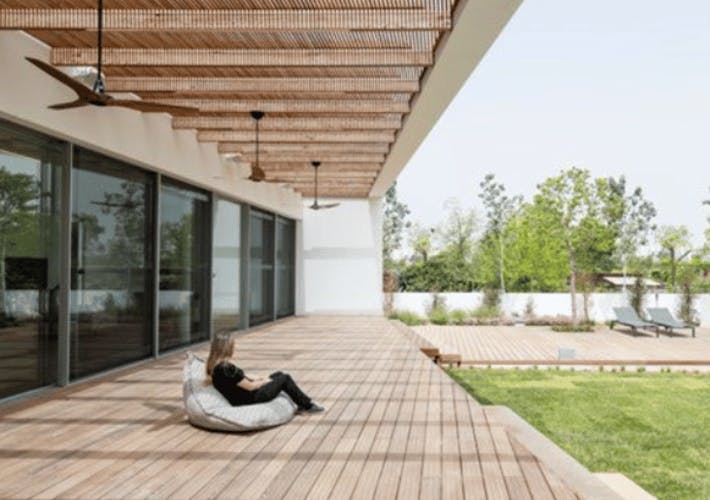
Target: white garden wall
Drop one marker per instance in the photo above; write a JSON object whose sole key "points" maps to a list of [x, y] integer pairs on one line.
{"points": [[549, 304]]}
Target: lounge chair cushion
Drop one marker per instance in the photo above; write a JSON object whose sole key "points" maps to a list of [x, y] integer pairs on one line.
{"points": [[208, 409]]}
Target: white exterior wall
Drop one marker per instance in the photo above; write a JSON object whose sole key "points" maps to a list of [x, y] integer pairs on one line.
{"points": [[341, 259], [144, 139], [549, 304]]}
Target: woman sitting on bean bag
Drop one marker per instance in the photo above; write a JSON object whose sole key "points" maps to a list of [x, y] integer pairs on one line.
{"points": [[239, 389]]}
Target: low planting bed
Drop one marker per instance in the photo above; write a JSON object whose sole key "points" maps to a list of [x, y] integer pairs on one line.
{"points": [[652, 427]]}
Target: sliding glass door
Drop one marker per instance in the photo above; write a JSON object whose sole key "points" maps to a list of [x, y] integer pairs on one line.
{"points": [[31, 168], [111, 263], [184, 265], [285, 267], [226, 259], [261, 267]]}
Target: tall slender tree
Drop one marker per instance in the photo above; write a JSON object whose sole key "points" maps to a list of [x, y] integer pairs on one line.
{"points": [[499, 209], [393, 226], [584, 212]]}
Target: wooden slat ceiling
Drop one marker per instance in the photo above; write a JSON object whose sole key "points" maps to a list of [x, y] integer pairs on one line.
{"points": [[335, 77]]}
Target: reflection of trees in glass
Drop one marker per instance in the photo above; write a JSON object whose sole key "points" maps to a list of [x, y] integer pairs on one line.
{"points": [[176, 246], [127, 207], [17, 194]]}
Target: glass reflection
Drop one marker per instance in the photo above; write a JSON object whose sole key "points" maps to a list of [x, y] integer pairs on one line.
{"points": [[184, 265], [30, 175], [225, 265], [285, 267], [111, 264], [261, 267]]}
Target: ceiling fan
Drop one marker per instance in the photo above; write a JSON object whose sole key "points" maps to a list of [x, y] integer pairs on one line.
{"points": [[257, 174], [316, 205], [97, 95]]}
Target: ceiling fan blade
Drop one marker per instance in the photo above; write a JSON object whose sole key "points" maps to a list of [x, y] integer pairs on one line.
{"points": [[151, 107], [69, 105], [82, 91], [329, 205]]}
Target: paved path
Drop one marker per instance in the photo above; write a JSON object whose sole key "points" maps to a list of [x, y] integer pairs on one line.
{"points": [[396, 426], [518, 343]]}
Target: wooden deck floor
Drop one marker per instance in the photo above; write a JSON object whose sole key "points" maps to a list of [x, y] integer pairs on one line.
{"points": [[395, 427], [510, 343]]}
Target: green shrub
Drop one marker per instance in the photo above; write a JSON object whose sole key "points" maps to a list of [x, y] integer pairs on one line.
{"points": [[439, 316], [582, 327], [484, 311], [491, 298], [407, 317], [458, 316]]}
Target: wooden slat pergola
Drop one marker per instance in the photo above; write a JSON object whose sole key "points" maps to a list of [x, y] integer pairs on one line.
{"points": [[335, 77]]}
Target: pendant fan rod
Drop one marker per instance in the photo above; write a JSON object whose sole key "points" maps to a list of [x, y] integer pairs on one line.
{"points": [[257, 174], [99, 83], [316, 164]]}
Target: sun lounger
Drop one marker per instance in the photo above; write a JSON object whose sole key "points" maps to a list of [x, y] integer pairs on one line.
{"points": [[627, 316], [661, 316]]}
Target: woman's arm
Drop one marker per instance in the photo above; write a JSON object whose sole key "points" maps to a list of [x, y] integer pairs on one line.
{"points": [[252, 385]]}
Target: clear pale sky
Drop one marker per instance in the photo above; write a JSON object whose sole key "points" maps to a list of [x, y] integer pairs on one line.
{"points": [[615, 86]]}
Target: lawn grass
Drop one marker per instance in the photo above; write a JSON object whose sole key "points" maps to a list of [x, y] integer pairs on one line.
{"points": [[652, 427]]}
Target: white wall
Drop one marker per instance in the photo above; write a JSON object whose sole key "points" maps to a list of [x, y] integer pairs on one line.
{"points": [[549, 304], [144, 139], [341, 259]]}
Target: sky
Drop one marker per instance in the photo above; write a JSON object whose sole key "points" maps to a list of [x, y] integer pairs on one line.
{"points": [[617, 87]]}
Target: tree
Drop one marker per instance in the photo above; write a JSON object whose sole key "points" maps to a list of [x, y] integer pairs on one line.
{"points": [[420, 241], [458, 231], [675, 246], [393, 226], [17, 194], [635, 221], [499, 209], [583, 212]]}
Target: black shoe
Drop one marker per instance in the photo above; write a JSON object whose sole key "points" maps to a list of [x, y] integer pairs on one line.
{"points": [[314, 408]]}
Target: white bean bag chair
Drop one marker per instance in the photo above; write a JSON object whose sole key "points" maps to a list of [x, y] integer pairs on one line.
{"points": [[208, 409]]}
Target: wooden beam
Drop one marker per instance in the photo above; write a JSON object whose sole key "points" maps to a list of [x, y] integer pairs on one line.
{"points": [[226, 20], [281, 123], [326, 167], [305, 147], [307, 158], [70, 56], [294, 136], [308, 180], [290, 105], [189, 84]]}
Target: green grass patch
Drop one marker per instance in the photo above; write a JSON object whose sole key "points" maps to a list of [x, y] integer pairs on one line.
{"points": [[652, 427]]}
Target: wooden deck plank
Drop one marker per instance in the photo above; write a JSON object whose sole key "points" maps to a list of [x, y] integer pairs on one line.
{"points": [[473, 484], [345, 388], [409, 481], [396, 426], [367, 482]]}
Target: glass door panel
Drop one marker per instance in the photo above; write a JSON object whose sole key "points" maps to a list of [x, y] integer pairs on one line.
{"points": [[225, 265], [261, 267], [31, 168], [111, 264], [285, 267], [184, 265]]}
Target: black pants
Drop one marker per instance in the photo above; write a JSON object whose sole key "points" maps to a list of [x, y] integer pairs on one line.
{"points": [[282, 382]]}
